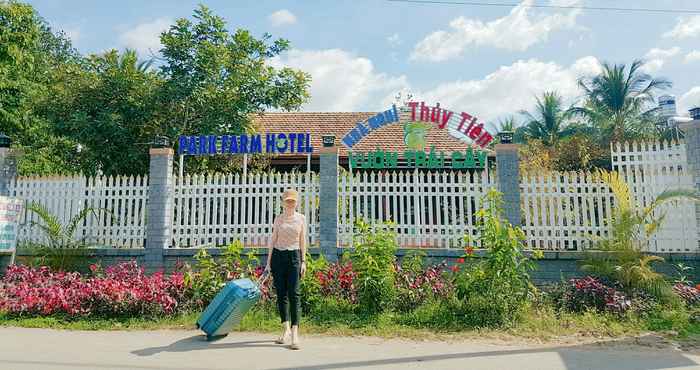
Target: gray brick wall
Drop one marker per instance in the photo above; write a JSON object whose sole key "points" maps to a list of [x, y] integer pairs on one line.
{"points": [[508, 171], [692, 146], [328, 207], [5, 176], [160, 208], [554, 267]]}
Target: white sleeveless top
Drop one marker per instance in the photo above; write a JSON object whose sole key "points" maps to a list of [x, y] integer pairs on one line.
{"points": [[288, 231]]}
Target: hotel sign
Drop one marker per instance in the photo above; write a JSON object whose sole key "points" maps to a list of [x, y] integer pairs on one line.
{"points": [[271, 143]]}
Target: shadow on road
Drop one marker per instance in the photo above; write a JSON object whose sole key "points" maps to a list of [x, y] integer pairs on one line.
{"points": [[624, 354], [199, 342], [613, 355]]}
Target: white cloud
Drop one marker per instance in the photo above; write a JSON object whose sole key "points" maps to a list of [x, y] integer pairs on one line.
{"points": [[517, 31], [394, 40], [341, 81], [693, 56], [281, 18], [685, 28], [689, 100], [511, 88], [656, 58], [145, 37]]}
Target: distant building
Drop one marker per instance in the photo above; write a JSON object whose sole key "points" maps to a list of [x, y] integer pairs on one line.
{"points": [[667, 105]]}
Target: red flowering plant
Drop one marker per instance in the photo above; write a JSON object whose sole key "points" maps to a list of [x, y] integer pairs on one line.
{"points": [[121, 290], [591, 293], [325, 280], [416, 285]]}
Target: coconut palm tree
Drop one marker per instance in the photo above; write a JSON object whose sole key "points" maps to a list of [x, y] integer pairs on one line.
{"points": [[619, 100], [549, 122]]}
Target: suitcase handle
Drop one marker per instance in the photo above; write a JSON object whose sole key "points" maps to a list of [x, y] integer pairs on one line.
{"points": [[261, 280]]}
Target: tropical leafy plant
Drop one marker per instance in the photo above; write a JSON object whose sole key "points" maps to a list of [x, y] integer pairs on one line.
{"points": [[62, 248], [631, 228]]}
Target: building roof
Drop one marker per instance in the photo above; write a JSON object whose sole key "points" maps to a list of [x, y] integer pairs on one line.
{"points": [[389, 138]]}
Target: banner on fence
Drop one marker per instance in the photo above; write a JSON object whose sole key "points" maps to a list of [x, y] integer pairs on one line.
{"points": [[381, 159], [10, 211]]}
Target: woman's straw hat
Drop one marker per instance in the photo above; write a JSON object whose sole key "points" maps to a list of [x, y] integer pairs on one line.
{"points": [[290, 194]]}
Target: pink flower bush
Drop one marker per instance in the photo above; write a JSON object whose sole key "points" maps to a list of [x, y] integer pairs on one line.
{"points": [[338, 280], [689, 294], [120, 290]]}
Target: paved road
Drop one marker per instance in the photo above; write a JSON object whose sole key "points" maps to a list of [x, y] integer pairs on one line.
{"points": [[40, 349]]}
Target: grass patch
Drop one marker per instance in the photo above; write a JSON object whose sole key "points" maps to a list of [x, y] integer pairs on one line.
{"points": [[427, 322], [184, 321]]}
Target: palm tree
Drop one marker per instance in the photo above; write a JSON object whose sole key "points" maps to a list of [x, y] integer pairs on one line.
{"points": [[618, 100], [549, 122]]}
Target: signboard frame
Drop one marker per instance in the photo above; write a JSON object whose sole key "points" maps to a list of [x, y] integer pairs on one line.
{"points": [[11, 210]]}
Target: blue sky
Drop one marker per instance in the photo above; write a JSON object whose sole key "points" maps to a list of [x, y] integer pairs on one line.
{"points": [[490, 61]]}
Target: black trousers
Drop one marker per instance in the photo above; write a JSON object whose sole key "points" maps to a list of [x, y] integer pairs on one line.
{"points": [[285, 267]]}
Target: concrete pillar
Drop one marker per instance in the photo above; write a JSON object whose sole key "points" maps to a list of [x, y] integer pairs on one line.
{"points": [[508, 172], [328, 210], [692, 147], [8, 165], [159, 225], [8, 171]]}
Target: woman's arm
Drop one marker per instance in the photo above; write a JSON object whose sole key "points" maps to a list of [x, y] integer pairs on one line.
{"points": [[273, 241], [302, 246]]}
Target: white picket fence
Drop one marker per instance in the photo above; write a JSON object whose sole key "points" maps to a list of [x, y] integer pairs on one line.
{"points": [[215, 210], [568, 210], [563, 211], [65, 197], [428, 209], [651, 168]]}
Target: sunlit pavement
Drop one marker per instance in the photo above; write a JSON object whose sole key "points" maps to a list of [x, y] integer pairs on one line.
{"points": [[50, 349]]}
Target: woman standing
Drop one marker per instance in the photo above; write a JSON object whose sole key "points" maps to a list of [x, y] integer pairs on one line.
{"points": [[286, 259]]}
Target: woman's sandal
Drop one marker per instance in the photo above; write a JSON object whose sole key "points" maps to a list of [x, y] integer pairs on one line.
{"points": [[283, 339], [295, 343]]}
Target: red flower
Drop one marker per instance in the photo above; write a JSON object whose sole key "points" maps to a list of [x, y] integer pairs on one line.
{"points": [[469, 249], [454, 268], [460, 260]]}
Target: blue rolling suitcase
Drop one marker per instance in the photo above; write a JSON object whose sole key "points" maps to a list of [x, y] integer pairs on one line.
{"points": [[228, 307]]}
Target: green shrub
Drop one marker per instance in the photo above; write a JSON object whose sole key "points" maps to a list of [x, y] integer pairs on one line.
{"points": [[495, 291], [310, 287], [208, 276], [373, 260]]}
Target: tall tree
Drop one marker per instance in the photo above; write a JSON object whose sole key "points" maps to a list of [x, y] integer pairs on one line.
{"points": [[549, 121], [103, 107], [620, 100], [215, 79], [30, 53]]}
